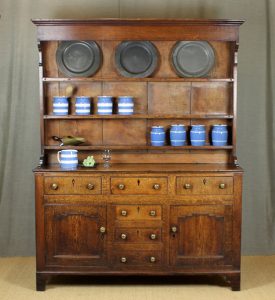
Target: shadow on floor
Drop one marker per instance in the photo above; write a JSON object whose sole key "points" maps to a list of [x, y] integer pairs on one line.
{"points": [[137, 280]]}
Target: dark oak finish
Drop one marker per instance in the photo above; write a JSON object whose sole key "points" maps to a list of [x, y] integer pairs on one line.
{"points": [[197, 241], [157, 211]]}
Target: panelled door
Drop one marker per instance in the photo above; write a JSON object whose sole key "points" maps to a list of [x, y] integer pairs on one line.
{"points": [[75, 235], [200, 235]]}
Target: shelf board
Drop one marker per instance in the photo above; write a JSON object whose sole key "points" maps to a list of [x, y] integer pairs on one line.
{"points": [[138, 147], [140, 116], [96, 79]]}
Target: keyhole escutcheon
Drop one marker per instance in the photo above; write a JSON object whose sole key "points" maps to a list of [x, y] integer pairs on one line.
{"points": [[204, 181]]}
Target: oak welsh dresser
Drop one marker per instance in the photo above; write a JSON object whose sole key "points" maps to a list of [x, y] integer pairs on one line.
{"points": [[157, 210]]}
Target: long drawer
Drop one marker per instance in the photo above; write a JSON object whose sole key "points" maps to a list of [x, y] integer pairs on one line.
{"points": [[72, 185], [137, 235], [199, 185], [136, 258], [139, 185], [128, 212]]}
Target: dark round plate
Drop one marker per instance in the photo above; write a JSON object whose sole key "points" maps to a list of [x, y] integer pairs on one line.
{"points": [[136, 59], [78, 58], [193, 58]]}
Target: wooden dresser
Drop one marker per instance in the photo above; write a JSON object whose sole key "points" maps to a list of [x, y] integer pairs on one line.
{"points": [[157, 210]]}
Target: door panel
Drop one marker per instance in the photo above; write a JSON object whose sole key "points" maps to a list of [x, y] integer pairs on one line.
{"points": [[202, 235], [73, 235]]}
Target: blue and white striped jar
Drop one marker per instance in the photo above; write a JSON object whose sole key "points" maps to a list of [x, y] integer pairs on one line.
{"points": [[60, 105], [82, 105], [125, 105], [104, 105], [219, 135], [177, 135], [198, 135], [68, 159], [157, 136]]}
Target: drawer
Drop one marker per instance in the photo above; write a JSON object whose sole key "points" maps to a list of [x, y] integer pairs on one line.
{"points": [[72, 185], [138, 212], [204, 185], [136, 258], [137, 235], [139, 185]]}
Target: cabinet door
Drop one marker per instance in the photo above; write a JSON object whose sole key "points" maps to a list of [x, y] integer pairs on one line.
{"points": [[200, 235], [75, 235]]}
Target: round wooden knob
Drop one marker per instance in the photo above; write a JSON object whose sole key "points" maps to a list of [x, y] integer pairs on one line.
{"points": [[121, 186], [123, 213], [152, 259], [222, 186], [123, 236], [153, 236], [174, 229], [90, 186], [123, 259], [102, 229], [187, 186], [54, 186], [156, 186], [152, 213]]}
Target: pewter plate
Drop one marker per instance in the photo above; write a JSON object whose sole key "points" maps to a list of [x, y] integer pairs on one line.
{"points": [[78, 58], [136, 59], [193, 58]]}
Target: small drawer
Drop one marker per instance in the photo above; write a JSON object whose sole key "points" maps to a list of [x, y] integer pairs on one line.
{"points": [[137, 235], [204, 185], [139, 185], [136, 258], [138, 212], [72, 185]]}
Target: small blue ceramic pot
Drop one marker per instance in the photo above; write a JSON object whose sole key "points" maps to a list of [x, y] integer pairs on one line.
{"points": [[60, 105], [125, 105], [157, 136], [219, 135], [82, 105], [198, 135], [177, 135], [104, 105], [68, 159]]}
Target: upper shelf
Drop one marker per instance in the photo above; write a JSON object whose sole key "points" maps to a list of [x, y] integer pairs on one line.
{"points": [[97, 79], [140, 116], [140, 147]]}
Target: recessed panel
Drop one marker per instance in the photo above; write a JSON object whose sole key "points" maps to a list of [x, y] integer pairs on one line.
{"points": [[124, 132], [169, 98], [211, 98]]}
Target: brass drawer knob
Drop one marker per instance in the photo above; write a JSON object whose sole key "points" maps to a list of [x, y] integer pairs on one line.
{"points": [[174, 229], [54, 186], [153, 236], [152, 213], [90, 186], [222, 186], [102, 229], [152, 259], [156, 186], [123, 213], [123, 236], [121, 186], [123, 260], [187, 186]]}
